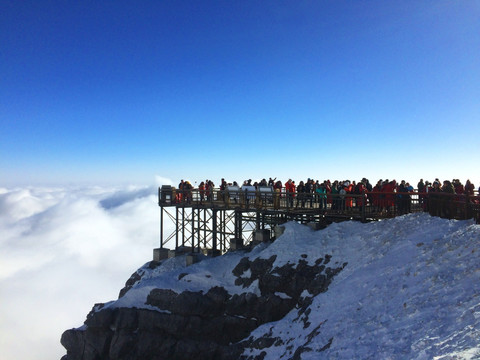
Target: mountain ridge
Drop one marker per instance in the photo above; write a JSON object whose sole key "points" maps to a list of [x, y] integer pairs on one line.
{"points": [[293, 299]]}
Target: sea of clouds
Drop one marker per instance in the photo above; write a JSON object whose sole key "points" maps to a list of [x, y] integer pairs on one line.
{"points": [[62, 250]]}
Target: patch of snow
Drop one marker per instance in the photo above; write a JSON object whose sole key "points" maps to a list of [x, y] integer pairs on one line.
{"points": [[410, 289], [282, 295]]}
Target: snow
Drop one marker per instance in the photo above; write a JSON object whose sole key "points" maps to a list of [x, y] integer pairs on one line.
{"points": [[282, 295], [410, 290]]}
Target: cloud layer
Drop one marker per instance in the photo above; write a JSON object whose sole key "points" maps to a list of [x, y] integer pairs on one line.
{"points": [[61, 251]]}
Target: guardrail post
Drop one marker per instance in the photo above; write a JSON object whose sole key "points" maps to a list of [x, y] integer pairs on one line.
{"points": [[466, 205], [364, 205]]}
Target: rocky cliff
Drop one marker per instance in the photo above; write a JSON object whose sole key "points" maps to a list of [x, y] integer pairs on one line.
{"points": [[196, 324]]}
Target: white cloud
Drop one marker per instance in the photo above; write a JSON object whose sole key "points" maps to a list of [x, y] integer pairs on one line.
{"points": [[61, 251], [160, 180]]}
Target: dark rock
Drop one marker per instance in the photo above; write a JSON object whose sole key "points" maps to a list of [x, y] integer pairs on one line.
{"points": [[137, 275], [218, 295], [327, 345], [154, 264], [261, 266], [162, 298], [292, 280], [203, 325], [298, 352], [241, 267], [263, 342], [327, 259]]}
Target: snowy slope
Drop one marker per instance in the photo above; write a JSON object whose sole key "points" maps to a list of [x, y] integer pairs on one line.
{"points": [[411, 290]]}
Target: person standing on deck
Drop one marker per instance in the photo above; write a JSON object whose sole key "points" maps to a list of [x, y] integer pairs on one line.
{"points": [[301, 193], [290, 190]]}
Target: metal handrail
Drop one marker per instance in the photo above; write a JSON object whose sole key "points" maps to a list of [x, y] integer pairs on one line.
{"points": [[366, 205]]}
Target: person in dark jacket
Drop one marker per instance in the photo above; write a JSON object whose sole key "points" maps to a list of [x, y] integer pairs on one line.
{"points": [[223, 188], [421, 190], [435, 199], [402, 198], [309, 191], [469, 188], [369, 189], [410, 190], [187, 192], [448, 205], [335, 190], [301, 194]]}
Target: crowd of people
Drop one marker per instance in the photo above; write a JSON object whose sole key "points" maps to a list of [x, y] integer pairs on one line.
{"points": [[307, 192], [311, 186]]}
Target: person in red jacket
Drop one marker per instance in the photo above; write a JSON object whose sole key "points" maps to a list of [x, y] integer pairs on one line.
{"points": [[201, 189], [388, 188], [376, 197], [459, 188], [290, 189], [360, 191], [348, 186]]}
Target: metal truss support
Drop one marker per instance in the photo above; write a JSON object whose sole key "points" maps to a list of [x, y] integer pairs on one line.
{"points": [[203, 228]]}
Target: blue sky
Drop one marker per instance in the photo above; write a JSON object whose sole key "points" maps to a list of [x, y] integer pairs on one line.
{"points": [[123, 91]]}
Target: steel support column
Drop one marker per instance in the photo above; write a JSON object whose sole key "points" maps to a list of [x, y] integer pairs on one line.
{"points": [[214, 228], [161, 227]]}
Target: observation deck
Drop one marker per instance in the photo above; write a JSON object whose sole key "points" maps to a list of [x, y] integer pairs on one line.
{"points": [[215, 221]]}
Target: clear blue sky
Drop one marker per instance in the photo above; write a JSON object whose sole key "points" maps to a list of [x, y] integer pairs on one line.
{"points": [[122, 91]]}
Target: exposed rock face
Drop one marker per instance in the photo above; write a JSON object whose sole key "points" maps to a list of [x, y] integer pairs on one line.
{"points": [[136, 276], [200, 325]]}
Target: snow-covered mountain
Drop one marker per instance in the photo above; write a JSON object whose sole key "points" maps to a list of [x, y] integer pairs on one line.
{"points": [[405, 288]]}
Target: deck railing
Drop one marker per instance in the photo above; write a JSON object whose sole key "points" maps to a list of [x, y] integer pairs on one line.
{"points": [[364, 206]]}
